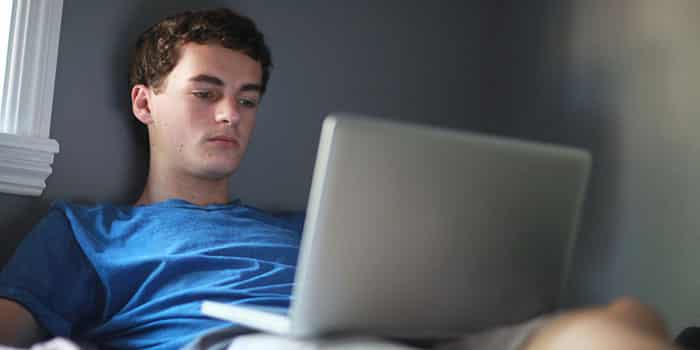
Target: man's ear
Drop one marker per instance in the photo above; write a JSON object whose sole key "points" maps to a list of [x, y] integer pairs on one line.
{"points": [[141, 103]]}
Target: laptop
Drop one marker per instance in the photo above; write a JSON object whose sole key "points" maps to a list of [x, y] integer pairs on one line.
{"points": [[415, 231]]}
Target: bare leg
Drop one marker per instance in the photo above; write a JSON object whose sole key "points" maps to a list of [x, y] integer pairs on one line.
{"points": [[623, 324]]}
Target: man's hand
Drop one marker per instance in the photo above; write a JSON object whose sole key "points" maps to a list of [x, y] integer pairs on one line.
{"points": [[17, 325]]}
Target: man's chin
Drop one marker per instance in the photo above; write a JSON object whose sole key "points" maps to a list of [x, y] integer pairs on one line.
{"points": [[217, 173]]}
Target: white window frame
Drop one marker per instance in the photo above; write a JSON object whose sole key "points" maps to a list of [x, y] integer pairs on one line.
{"points": [[26, 151]]}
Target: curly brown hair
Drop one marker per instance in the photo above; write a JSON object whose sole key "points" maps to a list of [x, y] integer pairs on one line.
{"points": [[158, 49]]}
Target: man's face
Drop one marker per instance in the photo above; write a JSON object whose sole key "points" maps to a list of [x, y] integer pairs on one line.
{"points": [[204, 114]]}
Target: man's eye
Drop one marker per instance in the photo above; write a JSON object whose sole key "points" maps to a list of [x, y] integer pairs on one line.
{"points": [[247, 103], [207, 95]]}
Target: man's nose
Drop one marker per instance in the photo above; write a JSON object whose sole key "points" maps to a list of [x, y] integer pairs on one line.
{"points": [[228, 111]]}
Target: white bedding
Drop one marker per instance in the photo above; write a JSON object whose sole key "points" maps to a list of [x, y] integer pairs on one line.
{"points": [[503, 338]]}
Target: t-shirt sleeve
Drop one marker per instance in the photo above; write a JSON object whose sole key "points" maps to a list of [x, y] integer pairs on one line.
{"points": [[51, 277]]}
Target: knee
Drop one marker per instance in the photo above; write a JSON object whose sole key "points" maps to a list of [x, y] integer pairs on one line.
{"points": [[634, 313], [629, 304], [624, 323]]}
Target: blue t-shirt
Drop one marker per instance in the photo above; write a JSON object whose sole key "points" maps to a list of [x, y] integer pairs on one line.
{"points": [[134, 277]]}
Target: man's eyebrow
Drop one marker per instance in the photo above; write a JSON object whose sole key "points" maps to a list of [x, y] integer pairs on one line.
{"points": [[203, 78], [251, 87]]}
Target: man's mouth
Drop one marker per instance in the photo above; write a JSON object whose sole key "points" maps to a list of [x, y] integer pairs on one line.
{"points": [[224, 141]]}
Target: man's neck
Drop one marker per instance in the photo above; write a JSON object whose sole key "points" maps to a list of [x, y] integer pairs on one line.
{"points": [[167, 185]]}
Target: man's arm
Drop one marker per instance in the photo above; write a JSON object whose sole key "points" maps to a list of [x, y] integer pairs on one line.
{"points": [[17, 325]]}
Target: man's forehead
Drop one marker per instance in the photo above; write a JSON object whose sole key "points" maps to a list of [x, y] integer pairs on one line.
{"points": [[213, 53], [216, 65]]}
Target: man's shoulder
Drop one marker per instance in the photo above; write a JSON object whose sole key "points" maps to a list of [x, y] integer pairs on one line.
{"points": [[76, 210], [83, 206], [73, 219]]}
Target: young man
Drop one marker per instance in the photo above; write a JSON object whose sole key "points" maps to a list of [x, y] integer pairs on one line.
{"points": [[133, 276]]}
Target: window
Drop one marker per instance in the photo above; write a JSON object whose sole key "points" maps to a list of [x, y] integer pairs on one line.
{"points": [[5, 17], [29, 34]]}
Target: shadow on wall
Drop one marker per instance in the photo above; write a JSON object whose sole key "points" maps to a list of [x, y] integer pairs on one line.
{"points": [[534, 87], [141, 16], [577, 104], [588, 120], [633, 67]]}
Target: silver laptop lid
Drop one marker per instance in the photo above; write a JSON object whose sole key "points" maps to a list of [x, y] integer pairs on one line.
{"points": [[414, 231]]}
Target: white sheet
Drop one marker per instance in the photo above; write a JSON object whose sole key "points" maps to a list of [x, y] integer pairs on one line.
{"points": [[53, 344], [502, 338]]}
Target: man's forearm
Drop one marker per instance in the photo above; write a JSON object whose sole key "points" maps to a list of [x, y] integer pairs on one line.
{"points": [[17, 325]]}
